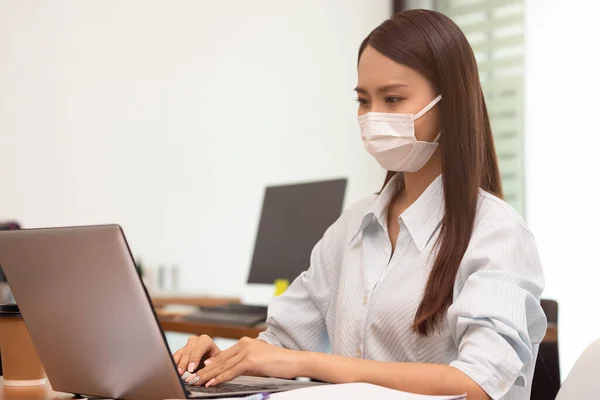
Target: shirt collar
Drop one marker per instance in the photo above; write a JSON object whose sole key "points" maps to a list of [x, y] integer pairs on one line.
{"points": [[422, 218], [378, 209]]}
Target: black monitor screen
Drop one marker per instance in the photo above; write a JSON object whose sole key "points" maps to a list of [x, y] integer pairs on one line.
{"points": [[293, 220]]}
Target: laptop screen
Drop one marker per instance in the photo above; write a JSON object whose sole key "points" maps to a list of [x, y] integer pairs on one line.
{"points": [[293, 220]]}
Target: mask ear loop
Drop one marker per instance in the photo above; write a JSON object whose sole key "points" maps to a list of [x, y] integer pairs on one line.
{"points": [[437, 138], [427, 107]]}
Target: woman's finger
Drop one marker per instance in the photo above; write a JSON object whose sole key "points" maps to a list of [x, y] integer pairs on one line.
{"points": [[231, 373], [183, 363], [186, 351], [214, 362], [193, 352], [177, 356], [176, 359], [222, 357], [196, 355], [206, 376]]}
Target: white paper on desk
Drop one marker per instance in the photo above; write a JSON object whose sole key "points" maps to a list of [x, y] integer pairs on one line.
{"points": [[362, 391]]}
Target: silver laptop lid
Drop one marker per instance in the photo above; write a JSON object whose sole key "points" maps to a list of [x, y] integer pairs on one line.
{"points": [[88, 313]]}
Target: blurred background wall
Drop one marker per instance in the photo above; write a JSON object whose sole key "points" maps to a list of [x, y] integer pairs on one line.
{"points": [[170, 118], [562, 142]]}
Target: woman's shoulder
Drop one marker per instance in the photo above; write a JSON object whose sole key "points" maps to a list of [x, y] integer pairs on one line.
{"points": [[495, 212], [502, 248]]}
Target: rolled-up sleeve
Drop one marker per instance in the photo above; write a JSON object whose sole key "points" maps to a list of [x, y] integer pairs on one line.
{"points": [[296, 319], [496, 319]]}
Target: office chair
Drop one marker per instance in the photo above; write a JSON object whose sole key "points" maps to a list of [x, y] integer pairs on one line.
{"points": [[582, 383], [546, 376]]}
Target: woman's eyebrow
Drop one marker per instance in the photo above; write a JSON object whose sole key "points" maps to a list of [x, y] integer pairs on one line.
{"points": [[387, 88], [382, 89]]}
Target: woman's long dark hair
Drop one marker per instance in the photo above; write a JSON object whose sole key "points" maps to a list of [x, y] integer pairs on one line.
{"points": [[433, 45]]}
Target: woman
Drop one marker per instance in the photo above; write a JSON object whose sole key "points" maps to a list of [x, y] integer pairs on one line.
{"points": [[433, 285]]}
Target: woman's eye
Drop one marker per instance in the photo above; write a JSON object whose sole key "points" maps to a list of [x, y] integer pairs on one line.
{"points": [[362, 101], [393, 99]]}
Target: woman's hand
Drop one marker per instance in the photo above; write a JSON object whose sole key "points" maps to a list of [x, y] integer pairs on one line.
{"points": [[191, 355], [249, 357]]}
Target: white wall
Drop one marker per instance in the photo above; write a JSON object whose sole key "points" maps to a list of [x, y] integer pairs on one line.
{"points": [[562, 151], [171, 117]]}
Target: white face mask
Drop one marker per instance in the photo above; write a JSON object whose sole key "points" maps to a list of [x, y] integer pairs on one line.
{"points": [[390, 138]]}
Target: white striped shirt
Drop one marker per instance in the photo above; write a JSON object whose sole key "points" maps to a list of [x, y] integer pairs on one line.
{"points": [[359, 300]]}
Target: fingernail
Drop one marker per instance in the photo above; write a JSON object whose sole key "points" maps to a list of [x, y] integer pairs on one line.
{"points": [[206, 362], [180, 371], [191, 367], [210, 382], [189, 378]]}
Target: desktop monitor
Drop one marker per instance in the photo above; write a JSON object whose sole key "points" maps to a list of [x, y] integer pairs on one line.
{"points": [[293, 219]]}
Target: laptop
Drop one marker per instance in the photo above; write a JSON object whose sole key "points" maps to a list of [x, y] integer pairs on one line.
{"points": [[91, 319], [293, 219]]}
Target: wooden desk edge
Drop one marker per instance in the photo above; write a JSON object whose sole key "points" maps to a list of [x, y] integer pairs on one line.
{"points": [[176, 324], [551, 334], [201, 301]]}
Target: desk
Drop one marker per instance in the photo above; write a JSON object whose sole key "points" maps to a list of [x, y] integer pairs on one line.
{"points": [[31, 393], [178, 324], [161, 300], [551, 334], [174, 323]]}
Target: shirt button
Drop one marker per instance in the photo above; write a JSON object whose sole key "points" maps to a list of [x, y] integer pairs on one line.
{"points": [[364, 300], [358, 353]]}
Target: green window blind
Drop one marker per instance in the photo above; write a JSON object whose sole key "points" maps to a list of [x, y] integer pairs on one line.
{"points": [[495, 30]]}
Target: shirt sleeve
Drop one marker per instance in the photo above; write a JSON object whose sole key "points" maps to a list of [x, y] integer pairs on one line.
{"points": [[296, 319], [496, 319]]}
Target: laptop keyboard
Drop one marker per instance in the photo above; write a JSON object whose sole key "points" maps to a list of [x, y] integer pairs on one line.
{"points": [[228, 388]]}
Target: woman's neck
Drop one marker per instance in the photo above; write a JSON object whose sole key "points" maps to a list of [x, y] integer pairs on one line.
{"points": [[415, 183]]}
